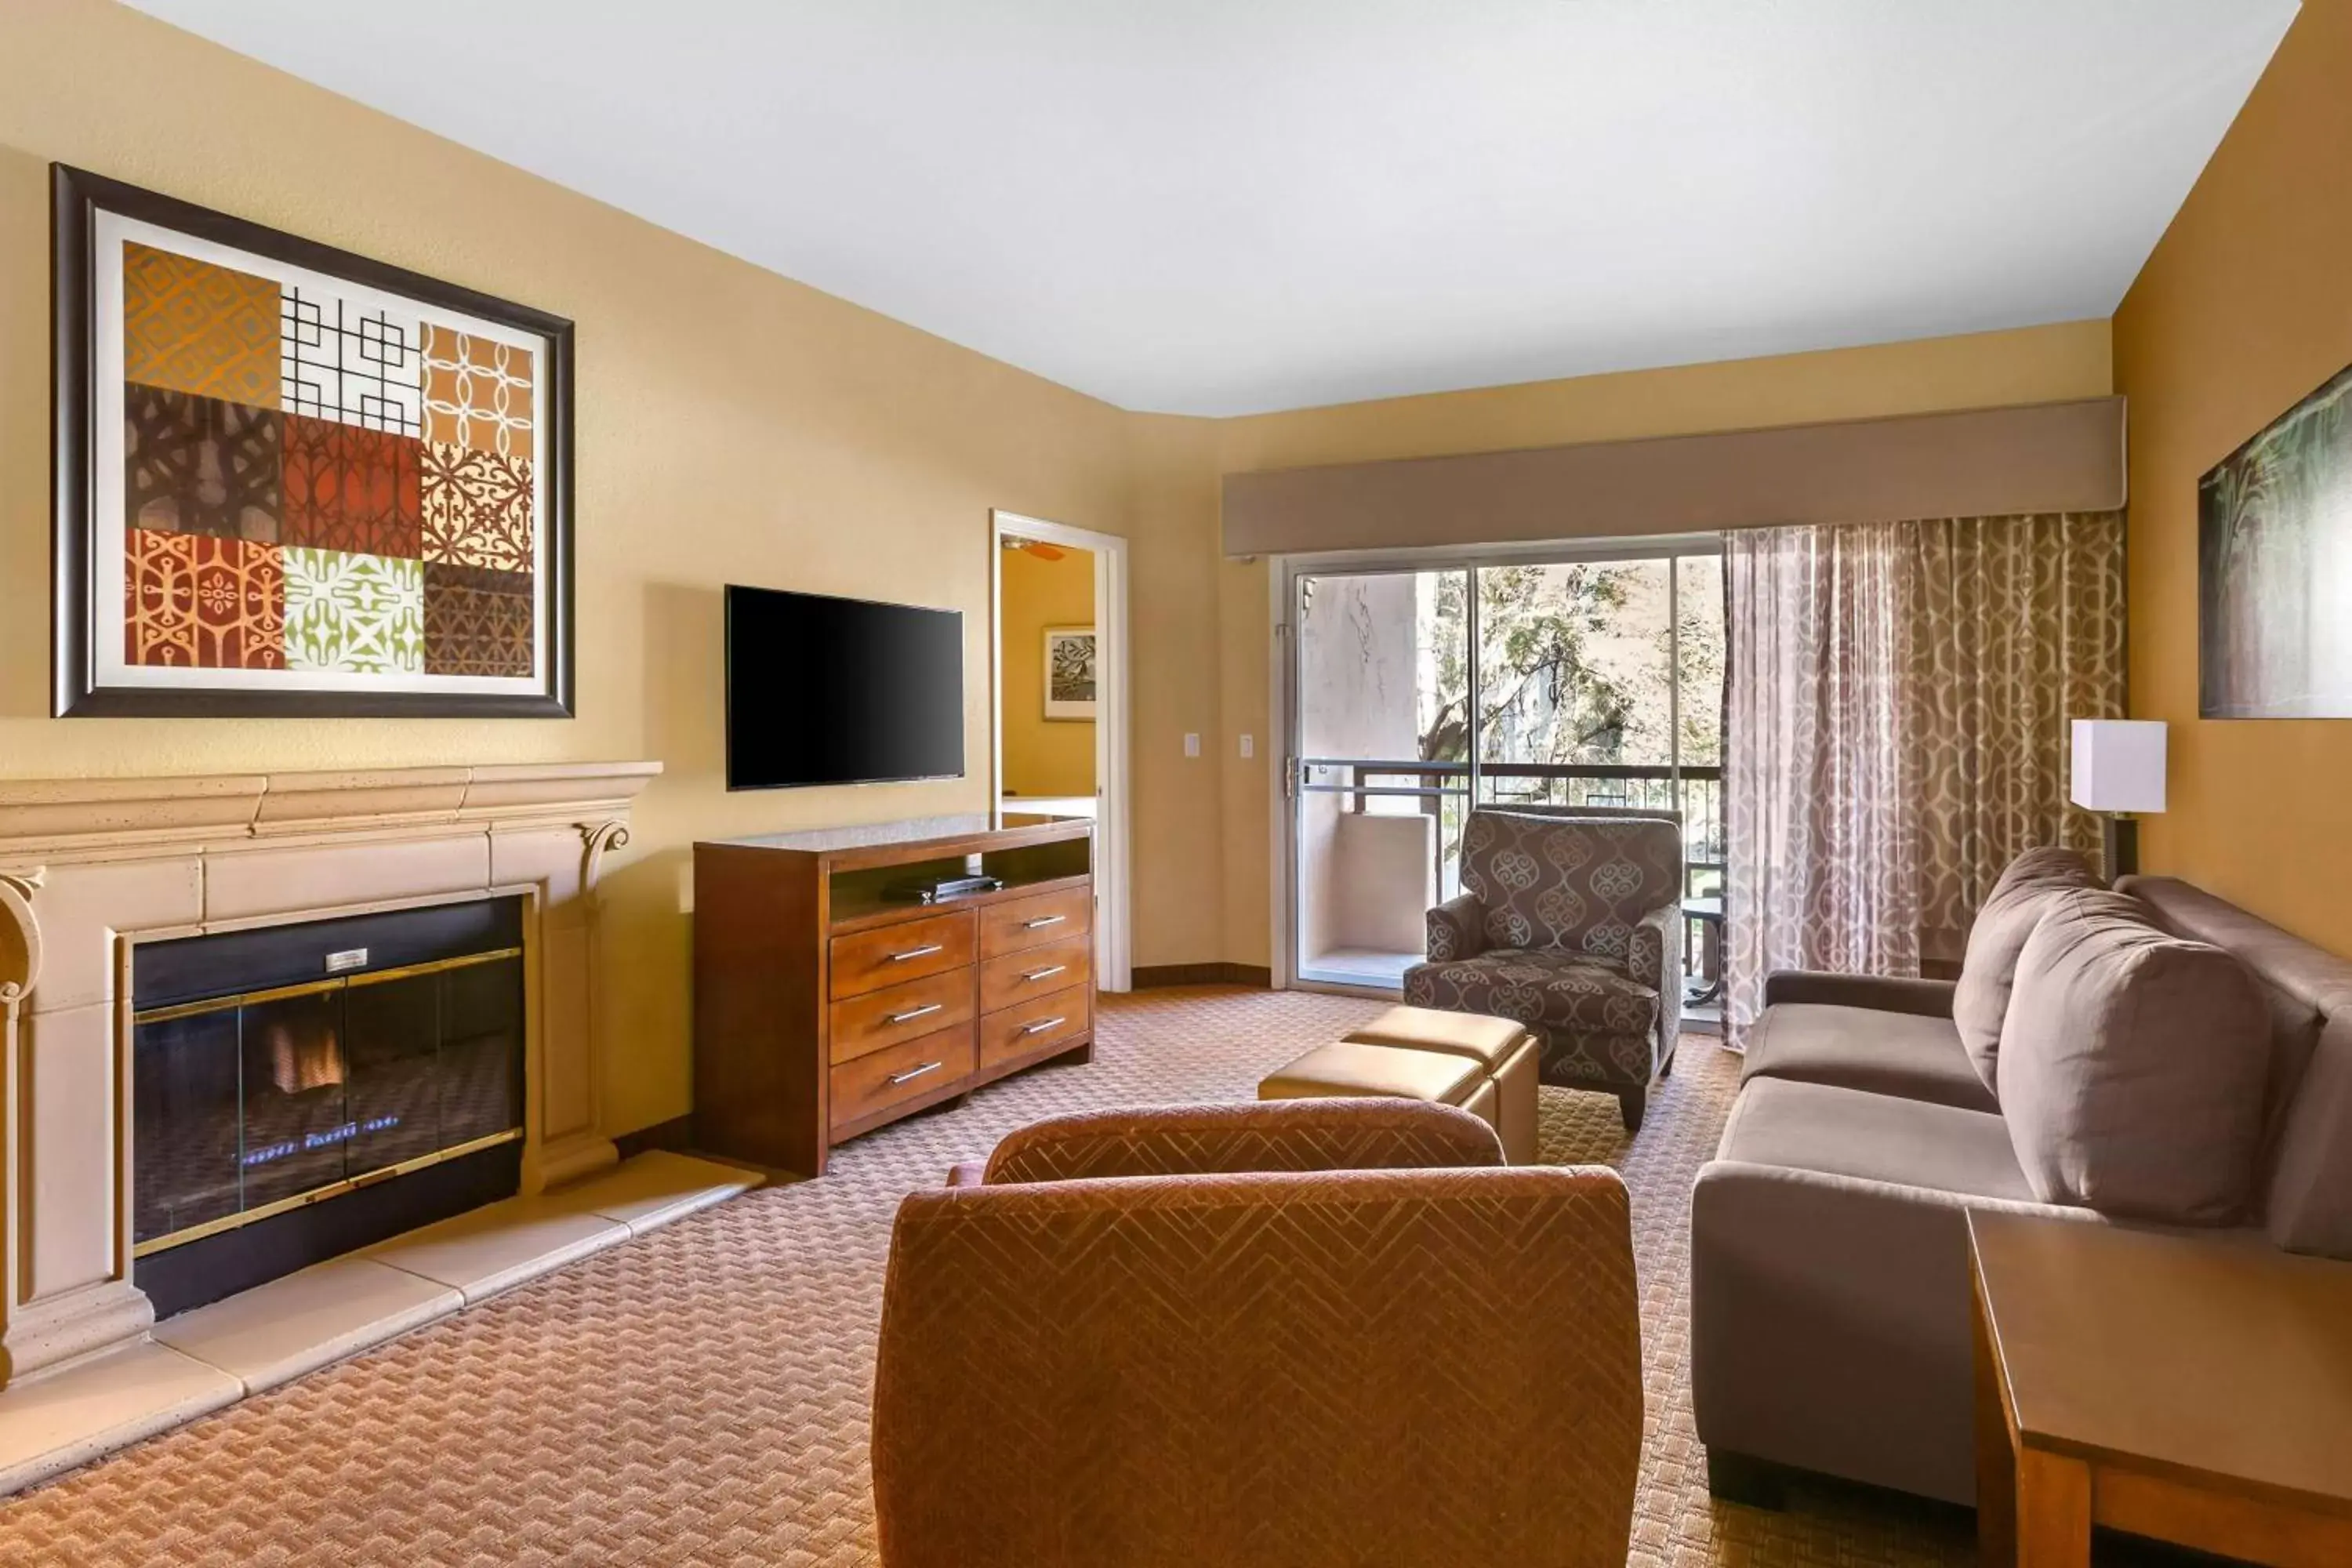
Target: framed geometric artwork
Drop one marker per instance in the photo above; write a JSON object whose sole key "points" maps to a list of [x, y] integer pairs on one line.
{"points": [[1069, 672], [2274, 568], [291, 481]]}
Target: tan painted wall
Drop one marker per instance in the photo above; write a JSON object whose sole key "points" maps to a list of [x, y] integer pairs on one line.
{"points": [[790, 439], [732, 425], [2034, 365], [1042, 755], [2245, 306]]}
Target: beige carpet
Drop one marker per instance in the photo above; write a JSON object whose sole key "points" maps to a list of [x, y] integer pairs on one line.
{"points": [[699, 1395]]}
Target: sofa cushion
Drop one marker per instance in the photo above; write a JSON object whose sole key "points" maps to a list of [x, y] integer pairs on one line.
{"points": [[1980, 1001], [1900, 1054], [2134, 1065], [1854, 1133]]}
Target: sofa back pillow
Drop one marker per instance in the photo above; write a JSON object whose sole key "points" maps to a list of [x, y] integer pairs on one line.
{"points": [[1980, 1000], [2134, 1065]]}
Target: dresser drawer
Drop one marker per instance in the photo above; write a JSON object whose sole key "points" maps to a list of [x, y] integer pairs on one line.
{"points": [[1017, 977], [1035, 1025], [895, 1012], [883, 1078], [869, 960], [1019, 923]]}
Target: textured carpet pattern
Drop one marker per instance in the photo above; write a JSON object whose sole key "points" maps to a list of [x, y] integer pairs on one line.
{"points": [[699, 1395]]}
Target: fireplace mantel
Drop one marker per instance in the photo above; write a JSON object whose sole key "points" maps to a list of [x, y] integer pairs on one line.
{"points": [[90, 868]]}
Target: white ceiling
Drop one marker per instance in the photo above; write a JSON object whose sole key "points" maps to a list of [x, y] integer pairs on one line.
{"points": [[1223, 206]]}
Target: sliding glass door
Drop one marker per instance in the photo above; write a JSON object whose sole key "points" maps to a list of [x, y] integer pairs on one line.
{"points": [[1592, 680]]}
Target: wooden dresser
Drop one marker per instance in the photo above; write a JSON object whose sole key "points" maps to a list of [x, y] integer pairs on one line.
{"points": [[823, 1009]]}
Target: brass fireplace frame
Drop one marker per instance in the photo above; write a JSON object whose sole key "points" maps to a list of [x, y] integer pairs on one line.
{"points": [[335, 1189]]}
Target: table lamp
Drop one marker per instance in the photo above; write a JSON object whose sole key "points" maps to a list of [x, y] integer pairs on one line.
{"points": [[2119, 773]]}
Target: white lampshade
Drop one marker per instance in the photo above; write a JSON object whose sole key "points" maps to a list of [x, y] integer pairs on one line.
{"points": [[2119, 765]]}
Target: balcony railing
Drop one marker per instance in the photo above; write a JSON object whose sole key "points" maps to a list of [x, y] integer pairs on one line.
{"points": [[1442, 790]]}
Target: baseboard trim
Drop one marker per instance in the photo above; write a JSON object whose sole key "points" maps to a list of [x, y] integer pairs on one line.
{"points": [[675, 1135], [1153, 976]]}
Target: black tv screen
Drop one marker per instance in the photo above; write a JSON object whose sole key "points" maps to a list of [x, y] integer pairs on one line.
{"points": [[833, 691]]}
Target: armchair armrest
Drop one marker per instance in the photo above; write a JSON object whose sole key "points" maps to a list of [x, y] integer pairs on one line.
{"points": [[1266, 1135], [1883, 993], [1458, 927], [1653, 955]]}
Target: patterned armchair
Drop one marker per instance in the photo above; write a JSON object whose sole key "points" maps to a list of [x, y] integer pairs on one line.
{"points": [[1203, 1335], [1572, 925]]}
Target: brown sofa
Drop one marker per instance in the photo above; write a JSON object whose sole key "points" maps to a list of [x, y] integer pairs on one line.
{"points": [[1829, 1293], [1208, 1334]]}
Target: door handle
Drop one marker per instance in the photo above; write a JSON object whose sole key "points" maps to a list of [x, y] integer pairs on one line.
{"points": [[1045, 972], [924, 951], [1041, 921], [1041, 1025], [911, 1074], [911, 1013]]}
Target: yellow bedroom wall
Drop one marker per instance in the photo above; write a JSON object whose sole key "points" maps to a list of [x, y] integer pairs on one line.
{"points": [[733, 427], [1043, 756], [2244, 307], [2031, 364]]}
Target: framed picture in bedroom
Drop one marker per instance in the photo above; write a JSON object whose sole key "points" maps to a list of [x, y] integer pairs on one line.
{"points": [[1070, 672], [294, 482], [2274, 568]]}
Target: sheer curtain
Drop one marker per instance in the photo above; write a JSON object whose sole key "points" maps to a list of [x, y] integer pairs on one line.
{"points": [[1819, 824], [1896, 710]]}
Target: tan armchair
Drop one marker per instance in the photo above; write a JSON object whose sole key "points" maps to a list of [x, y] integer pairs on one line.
{"points": [[1196, 1335], [1573, 926]]}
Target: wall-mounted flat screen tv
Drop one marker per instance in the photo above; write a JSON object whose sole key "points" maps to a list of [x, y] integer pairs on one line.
{"points": [[834, 691]]}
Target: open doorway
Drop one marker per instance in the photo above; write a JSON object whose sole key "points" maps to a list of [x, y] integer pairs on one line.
{"points": [[1059, 664]]}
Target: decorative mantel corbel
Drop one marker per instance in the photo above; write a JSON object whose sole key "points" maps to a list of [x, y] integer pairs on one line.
{"points": [[595, 839], [20, 936]]}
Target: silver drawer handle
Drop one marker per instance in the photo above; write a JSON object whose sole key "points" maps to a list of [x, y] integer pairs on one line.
{"points": [[911, 1074], [1047, 972], [1041, 1025], [925, 1011], [924, 951], [1041, 921]]}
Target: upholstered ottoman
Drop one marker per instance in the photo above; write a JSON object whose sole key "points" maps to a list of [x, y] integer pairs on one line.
{"points": [[1504, 1049], [1349, 1069]]}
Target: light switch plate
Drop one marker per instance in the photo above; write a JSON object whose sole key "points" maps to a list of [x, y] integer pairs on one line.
{"points": [[1249, 745], [1192, 745]]}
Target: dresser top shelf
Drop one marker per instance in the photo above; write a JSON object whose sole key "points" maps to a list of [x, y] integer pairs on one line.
{"points": [[857, 913], [855, 865], [917, 839]]}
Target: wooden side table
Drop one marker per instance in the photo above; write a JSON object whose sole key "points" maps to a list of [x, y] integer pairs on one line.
{"points": [[2196, 1391]]}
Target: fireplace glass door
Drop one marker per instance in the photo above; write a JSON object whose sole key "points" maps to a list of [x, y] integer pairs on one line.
{"points": [[274, 1097]]}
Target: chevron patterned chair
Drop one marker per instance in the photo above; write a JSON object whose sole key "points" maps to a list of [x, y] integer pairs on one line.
{"points": [[1573, 926], [1306, 1333]]}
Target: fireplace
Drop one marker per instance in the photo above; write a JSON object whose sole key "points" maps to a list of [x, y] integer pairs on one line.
{"points": [[303, 1089], [102, 881]]}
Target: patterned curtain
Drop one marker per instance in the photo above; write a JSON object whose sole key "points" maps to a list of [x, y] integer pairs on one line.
{"points": [[1896, 715], [2017, 628]]}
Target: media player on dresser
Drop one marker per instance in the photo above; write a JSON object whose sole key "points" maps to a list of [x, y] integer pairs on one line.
{"points": [[827, 1005]]}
